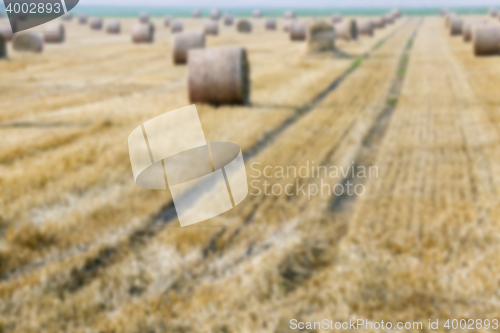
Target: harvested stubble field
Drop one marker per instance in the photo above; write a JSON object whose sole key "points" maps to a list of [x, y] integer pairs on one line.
{"points": [[83, 249]]}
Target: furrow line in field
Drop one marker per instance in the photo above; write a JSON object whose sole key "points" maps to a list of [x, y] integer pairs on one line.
{"points": [[374, 137]]}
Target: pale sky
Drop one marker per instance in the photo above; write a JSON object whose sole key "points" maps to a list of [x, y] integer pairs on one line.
{"points": [[295, 3]]}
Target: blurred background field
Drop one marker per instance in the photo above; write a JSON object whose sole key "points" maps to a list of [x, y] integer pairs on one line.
{"points": [[84, 249]]}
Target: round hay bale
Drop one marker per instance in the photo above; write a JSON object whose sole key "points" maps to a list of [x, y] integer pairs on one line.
{"points": [[95, 23], [244, 26], [53, 33], [113, 27], [493, 12], [211, 28], [167, 20], [27, 42], [346, 30], [321, 37], [298, 31], [219, 76], [3, 47], [143, 33], [82, 19], [67, 17], [228, 20], [486, 40], [448, 18], [389, 19], [6, 31], [144, 17], [467, 28], [176, 26], [271, 24], [456, 24], [183, 42], [289, 14], [365, 27], [379, 23], [396, 13], [196, 13], [286, 24], [257, 13], [215, 14], [336, 18]]}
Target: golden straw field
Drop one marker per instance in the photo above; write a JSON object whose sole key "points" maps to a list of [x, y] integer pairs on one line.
{"points": [[84, 249]]}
